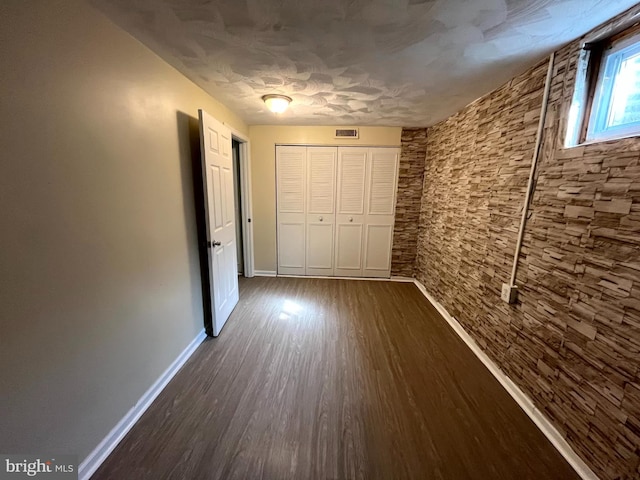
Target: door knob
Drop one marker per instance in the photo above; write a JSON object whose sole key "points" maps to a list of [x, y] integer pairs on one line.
{"points": [[214, 244]]}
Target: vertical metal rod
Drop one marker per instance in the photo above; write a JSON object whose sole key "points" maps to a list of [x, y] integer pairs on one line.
{"points": [[534, 163]]}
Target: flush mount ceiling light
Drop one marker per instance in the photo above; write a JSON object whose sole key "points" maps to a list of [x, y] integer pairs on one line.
{"points": [[276, 103]]}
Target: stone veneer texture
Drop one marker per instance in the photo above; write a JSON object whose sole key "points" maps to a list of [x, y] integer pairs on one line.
{"points": [[572, 341], [409, 198]]}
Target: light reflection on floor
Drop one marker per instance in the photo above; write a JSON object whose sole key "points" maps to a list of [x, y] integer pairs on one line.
{"points": [[290, 309]]}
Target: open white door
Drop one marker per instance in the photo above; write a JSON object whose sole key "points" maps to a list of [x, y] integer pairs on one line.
{"points": [[217, 165]]}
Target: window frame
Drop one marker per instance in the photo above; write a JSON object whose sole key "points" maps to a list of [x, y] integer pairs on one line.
{"points": [[583, 129]]}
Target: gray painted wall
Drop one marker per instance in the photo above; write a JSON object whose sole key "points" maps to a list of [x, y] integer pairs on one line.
{"points": [[100, 282]]}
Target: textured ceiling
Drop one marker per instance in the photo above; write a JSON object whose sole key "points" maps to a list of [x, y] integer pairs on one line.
{"points": [[355, 62]]}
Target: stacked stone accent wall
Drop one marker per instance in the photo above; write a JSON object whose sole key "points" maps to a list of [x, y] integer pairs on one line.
{"points": [[409, 198], [572, 341]]}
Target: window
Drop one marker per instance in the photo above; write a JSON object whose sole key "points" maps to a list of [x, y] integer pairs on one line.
{"points": [[607, 100]]}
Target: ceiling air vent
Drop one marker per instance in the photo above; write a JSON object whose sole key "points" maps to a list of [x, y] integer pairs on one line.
{"points": [[347, 133]]}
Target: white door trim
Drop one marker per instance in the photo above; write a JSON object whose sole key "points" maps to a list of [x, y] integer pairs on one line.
{"points": [[246, 204]]}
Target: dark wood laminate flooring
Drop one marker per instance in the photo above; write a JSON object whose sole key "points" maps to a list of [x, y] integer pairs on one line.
{"points": [[334, 379]]}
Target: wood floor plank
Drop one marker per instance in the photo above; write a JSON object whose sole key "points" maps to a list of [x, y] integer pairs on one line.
{"points": [[334, 379]]}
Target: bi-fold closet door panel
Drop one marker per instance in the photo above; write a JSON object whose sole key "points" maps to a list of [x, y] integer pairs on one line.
{"points": [[321, 211], [306, 191], [380, 205], [366, 199], [351, 195], [291, 171]]}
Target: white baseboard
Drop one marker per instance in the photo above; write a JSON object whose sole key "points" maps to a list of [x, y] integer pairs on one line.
{"points": [[370, 279], [397, 278], [90, 464], [518, 395], [264, 273]]}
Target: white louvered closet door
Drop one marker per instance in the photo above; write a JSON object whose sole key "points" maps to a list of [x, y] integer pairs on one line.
{"points": [[335, 210], [321, 212], [291, 221], [380, 203], [350, 199]]}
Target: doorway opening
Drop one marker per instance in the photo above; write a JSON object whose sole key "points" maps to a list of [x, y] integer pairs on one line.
{"points": [[235, 149], [242, 203]]}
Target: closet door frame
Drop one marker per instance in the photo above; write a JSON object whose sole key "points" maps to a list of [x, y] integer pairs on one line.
{"points": [[370, 252]]}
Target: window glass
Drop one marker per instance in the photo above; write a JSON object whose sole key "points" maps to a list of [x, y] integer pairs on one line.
{"points": [[616, 105]]}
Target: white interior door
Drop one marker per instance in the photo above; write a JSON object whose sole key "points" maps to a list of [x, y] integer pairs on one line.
{"points": [[380, 204], [351, 178], [217, 164], [291, 189], [321, 213]]}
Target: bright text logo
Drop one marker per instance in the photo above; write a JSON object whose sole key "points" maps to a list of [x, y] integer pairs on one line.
{"points": [[56, 467]]}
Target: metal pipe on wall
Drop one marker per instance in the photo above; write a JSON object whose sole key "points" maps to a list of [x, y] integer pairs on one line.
{"points": [[534, 163]]}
